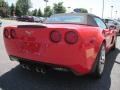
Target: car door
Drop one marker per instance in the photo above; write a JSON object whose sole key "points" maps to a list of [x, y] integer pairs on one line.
{"points": [[107, 32]]}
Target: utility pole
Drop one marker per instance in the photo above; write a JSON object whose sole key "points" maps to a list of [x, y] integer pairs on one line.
{"points": [[69, 9], [111, 11], [116, 14], [91, 10], [103, 8], [46, 2]]}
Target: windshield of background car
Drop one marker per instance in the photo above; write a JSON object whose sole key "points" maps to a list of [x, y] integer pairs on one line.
{"points": [[66, 19]]}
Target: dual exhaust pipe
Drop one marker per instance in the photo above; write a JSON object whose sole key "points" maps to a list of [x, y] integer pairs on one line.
{"points": [[37, 69]]}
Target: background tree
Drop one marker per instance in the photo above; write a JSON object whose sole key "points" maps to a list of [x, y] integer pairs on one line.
{"points": [[34, 12], [4, 8], [39, 13], [30, 13], [47, 11], [12, 10], [59, 8], [23, 6], [18, 10]]}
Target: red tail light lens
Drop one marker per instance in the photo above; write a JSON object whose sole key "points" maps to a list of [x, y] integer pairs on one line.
{"points": [[9, 33], [12, 33], [55, 36], [71, 37], [6, 33]]}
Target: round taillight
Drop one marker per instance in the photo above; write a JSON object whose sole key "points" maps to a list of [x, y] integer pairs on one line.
{"points": [[55, 36], [12, 33], [71, 37], [6, 33]]}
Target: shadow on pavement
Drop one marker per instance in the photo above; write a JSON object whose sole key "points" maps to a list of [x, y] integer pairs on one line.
{"points": [[19, 79]]}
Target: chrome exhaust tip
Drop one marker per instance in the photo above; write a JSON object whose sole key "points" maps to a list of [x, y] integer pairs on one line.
{"points": [[23, 66], [27, 67], [43, 71], [37, 69]]}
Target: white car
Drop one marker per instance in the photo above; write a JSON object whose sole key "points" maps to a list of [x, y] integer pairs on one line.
{"points": [[35, 19]]}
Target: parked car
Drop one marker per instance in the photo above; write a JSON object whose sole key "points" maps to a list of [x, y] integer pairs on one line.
{"points": [[25, 18], [75, 41], [41, 19], [30, 18], [116, 23]]}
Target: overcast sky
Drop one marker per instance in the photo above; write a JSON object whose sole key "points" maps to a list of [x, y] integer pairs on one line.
{"points": [[93, 6]]}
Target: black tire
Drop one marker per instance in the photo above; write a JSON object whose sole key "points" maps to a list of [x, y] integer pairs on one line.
{"points": [[114, 46], [100, 63]]}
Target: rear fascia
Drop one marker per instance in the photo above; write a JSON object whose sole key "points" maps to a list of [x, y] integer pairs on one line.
{"points": [[74, 56]]}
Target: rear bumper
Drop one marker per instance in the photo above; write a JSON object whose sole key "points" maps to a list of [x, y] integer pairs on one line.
{"points": [[75, 61]]}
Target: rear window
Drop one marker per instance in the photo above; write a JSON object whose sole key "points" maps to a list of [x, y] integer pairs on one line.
{"points": [[66, 19]]}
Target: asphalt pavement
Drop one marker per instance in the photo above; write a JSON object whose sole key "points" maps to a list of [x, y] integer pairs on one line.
{"points": [[13, 77]]}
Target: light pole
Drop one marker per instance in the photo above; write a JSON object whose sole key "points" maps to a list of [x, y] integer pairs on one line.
{"points": [[46, 6], [103, 8], [111, 11], [46, 2], [91, 10], [116, 14], [69, 9]]}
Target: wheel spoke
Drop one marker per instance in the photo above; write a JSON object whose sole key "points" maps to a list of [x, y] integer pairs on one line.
{"points": [[102, 60]]}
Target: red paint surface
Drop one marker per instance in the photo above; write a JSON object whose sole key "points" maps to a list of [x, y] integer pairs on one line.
{"points": [[35, 44]]}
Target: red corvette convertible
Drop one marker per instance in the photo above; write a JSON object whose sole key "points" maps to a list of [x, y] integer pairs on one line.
{"points": [[75, 41]]}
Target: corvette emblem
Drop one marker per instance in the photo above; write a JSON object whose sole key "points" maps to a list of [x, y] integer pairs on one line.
{"points": [[28, 33]]}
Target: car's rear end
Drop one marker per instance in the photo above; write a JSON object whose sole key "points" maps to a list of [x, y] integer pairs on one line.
{"points": [[62, 47]]}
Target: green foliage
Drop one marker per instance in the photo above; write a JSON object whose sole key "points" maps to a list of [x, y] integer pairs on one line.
{"points": [[39, 13], [18, 10], [4, 8], [12, 9], [47, 11], [35, 12], [59, 8], [22, 7]]}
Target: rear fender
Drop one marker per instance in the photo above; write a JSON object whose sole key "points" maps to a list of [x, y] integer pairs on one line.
{"points": [[95, 63]]}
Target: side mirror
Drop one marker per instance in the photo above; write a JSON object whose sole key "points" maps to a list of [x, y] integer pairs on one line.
{"points": [[112, 27]]}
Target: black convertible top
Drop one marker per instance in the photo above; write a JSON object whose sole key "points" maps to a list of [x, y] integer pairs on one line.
{"points": [[74, 14], [89, 18]]}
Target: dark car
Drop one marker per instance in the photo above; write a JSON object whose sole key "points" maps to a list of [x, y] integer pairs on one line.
{"points": [[25, 18], [110, 22], [30, 19]]}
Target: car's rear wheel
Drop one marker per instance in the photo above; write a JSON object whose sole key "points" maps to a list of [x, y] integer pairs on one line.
{"points": [[100, 62]]}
